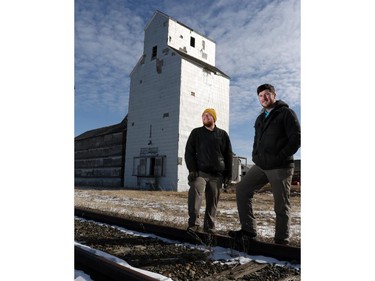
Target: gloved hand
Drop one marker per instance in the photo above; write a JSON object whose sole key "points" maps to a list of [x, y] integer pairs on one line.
{"points": [[226, 182], [192, 176]]}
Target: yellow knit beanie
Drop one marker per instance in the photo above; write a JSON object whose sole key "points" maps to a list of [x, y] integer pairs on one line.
{"points": [[211, 111]]}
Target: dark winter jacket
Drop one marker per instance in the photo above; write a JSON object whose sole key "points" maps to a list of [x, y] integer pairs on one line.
{"points": [[277, 138], [209, 151]]}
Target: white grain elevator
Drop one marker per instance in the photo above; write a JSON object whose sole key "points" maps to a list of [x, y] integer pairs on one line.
{"points": [[173, 82]]}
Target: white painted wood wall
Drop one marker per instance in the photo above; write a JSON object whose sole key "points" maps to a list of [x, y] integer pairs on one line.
{"points": [[168, 94]]}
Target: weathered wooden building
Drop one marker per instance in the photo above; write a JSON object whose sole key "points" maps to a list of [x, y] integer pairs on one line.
{"points": [[173, 82], [99, 156]]}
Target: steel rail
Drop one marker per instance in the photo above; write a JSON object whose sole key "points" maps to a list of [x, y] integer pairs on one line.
{"points": [[251, 247], [102, 269]]}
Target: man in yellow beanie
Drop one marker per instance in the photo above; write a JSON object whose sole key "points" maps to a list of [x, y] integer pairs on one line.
{"points": [[211, 111], [208, 157]]}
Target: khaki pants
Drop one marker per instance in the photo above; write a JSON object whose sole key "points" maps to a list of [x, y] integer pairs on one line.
{"points": [[256, 178], [210, 186]]}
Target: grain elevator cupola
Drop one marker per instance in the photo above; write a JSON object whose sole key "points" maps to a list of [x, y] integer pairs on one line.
{"points": [[172, 83]]}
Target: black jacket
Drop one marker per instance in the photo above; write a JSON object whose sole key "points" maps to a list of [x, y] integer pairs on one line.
{"points": [[277, 138], [209, 152]]}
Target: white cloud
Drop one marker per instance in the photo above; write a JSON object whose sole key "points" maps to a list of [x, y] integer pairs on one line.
{"points": [[256, 42]]}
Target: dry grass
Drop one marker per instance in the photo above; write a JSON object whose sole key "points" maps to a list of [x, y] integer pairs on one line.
{"points": [[170, 208]]}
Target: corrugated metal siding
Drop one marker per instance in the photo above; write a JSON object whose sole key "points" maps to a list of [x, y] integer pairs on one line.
{"points": [[154, 104], [168, 95], [210, 90], [179, 38]]}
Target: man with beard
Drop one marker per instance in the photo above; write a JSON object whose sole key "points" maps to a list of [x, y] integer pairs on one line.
{"points": [[208, 157], [277, 138]]}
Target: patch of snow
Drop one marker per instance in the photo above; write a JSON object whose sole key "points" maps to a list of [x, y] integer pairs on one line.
{"points": [[79, 275]]}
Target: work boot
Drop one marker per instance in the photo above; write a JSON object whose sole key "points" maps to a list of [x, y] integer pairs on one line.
{"points": [[193, 228], [210, 230], [281, 241], [242, 234]]}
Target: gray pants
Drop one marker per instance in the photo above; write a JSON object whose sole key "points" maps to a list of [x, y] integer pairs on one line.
{"points": [[210, 185], [256, 178]]}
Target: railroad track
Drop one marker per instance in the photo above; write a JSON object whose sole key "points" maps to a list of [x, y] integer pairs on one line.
{"points": [[280, 252], [102, 269]]}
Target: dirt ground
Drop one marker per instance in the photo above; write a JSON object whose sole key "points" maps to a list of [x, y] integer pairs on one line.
{"points": [[170, 208]]}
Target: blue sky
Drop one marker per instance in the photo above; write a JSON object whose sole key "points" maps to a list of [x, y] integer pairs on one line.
{"points": [[256, 42]]}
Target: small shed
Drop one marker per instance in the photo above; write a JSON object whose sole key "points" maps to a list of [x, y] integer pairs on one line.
{"points": [[99, 156]]}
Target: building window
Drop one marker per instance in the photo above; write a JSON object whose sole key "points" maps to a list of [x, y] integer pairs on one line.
{"points": [[192, 41], [203, 44], [149, 166], [154, 52]]}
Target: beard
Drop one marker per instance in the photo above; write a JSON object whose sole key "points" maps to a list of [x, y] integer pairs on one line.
{"points": [[208, 123]]}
